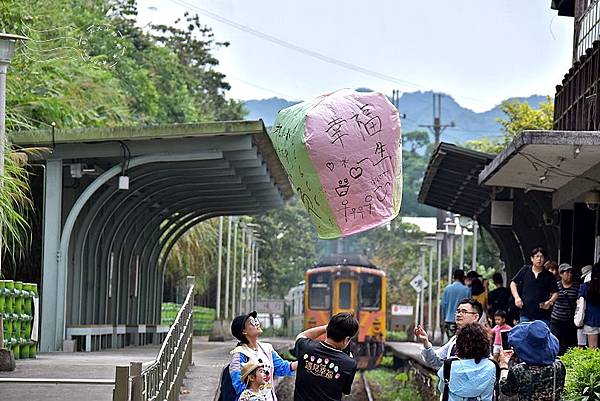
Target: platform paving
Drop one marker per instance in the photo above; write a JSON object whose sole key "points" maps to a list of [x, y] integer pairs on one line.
{"points": [[200, 383]]}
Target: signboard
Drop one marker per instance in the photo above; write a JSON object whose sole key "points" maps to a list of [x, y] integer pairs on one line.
{"points": [[343, 154], [418, 283], [275, 306], [402, 310]]}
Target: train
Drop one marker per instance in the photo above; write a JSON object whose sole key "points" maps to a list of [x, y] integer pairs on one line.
{"points": [[343, 284]]}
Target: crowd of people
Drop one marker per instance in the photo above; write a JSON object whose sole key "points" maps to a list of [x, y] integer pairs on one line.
{"points": [[508, 340]]}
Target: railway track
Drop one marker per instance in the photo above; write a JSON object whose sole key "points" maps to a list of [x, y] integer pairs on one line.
{"points": [[366, 387]]}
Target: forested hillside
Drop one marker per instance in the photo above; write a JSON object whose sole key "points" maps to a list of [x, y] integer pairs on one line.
{"points": [[86, 63]]}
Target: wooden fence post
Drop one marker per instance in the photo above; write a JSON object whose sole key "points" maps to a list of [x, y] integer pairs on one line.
{"points": [[137, 382], [121, 389]]}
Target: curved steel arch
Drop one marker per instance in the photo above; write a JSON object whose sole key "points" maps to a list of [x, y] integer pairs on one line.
{"points": [[61, 310]]}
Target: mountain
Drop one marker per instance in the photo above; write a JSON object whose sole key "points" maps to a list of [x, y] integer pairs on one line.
{"points": [[418, 109]]}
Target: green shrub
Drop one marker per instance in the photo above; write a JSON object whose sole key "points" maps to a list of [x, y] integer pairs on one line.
{"points": [[583, 374], [396, 336]]}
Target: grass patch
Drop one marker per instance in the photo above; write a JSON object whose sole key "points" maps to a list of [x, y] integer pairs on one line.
{"points": [[389, 385]]}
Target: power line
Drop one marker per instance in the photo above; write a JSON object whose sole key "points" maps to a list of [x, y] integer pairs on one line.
{"points": [[308, 52]]}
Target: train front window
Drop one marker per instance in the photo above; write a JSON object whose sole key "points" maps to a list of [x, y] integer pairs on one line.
{"points": [[318, 295], [370, 292], [345, 295]]}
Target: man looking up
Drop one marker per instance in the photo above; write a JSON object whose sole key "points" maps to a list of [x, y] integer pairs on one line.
{"points": [[453, 293], [534, 289], [467, 311], [325, 371]]}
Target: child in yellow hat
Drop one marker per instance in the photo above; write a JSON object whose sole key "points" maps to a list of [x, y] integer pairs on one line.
{"points": [[254, 376]]}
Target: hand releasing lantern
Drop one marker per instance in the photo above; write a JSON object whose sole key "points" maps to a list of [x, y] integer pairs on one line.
{"points": [[343, 155]]}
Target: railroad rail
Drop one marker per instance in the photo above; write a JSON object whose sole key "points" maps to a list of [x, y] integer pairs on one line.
{"points": [[367, 387]]}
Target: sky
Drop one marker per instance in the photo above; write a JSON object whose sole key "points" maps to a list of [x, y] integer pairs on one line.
{"points": [[478, 51]]}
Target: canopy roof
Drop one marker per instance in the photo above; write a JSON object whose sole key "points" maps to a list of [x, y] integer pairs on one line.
{"points": [[451, 180]]}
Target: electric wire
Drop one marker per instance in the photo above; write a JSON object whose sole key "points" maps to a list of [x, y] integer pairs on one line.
{"points": [[308, 52]]}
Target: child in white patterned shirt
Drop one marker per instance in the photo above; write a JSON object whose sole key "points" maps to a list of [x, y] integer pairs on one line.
{"points": [[254, 376]]}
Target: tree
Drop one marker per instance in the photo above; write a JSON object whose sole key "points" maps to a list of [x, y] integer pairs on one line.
{"points": [[86, 63], [289, 248], [416, 150], [520, 116]]}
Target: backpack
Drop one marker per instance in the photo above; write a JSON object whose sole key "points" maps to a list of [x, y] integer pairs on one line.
{"points": [[226, 392], [448, 366]]}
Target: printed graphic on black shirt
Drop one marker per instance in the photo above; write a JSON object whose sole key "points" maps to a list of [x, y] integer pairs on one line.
{"points": [[324, 373]]}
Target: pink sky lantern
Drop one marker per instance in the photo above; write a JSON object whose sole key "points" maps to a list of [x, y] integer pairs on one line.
{"points": [[343, 155]]}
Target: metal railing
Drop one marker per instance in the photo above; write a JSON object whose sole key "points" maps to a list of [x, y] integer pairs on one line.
{"points": [[577, 102], [588, 28], [161, 380]]}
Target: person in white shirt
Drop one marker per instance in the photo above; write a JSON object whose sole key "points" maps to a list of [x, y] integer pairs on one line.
{"points": [[468, 311]]}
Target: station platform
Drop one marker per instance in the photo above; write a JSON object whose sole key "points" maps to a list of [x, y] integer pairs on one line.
{"points": [[200, 383]]}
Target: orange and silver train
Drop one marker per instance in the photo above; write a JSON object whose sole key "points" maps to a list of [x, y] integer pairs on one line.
{"points": [[354, 286]]}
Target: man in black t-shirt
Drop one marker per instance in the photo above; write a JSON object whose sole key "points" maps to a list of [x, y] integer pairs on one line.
{"points": [[534, 289], [325, 371], [499, 298]]}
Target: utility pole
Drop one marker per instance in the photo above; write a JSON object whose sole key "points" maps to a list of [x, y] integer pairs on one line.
{"points": [[437, 128], [396, 100]]}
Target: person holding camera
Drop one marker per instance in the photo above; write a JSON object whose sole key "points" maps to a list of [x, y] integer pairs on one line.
{"points": [[468, 311], [540, 375]]}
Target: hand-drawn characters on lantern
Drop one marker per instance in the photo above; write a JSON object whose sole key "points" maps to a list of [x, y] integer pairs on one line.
{"points": [[343, 188], [368, 123], [334, 130], [382, 191], [330, 165], [380, 178], [308, 202]]}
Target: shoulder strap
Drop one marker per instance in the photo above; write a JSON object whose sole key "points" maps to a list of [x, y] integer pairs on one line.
{"points": [[447, 368], [497, 382]]}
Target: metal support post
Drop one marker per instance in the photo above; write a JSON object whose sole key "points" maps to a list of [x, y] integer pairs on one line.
{"points": [[52, 301], [422, 292], [219, 257], [450, 257], [242, 271], [234, 267], [462, 248], [255, 277], [228, 268], [430, 289], [474, 259], [248, 279], [439, 291]]}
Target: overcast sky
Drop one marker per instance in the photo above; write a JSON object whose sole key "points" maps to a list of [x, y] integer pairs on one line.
{"points": [[478, 51]]}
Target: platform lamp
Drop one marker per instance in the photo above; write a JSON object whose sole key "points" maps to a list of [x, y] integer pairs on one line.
{"points": [[439, 237], [431, 242], [464, 222], [422, 249], [8, 44], [450, 231]]}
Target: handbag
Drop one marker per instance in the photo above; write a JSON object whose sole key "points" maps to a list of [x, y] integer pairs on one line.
{"points": [[579, 312]]}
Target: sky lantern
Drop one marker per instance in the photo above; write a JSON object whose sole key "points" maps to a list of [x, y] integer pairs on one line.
{"points": [[343, 154]]}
